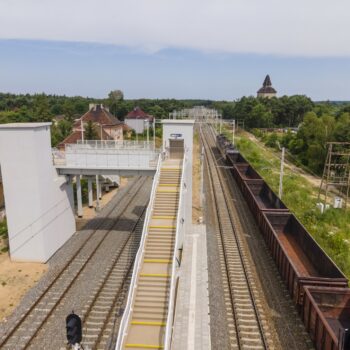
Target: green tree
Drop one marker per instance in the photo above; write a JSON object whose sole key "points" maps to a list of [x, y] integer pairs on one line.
{"points": [[41, 108], [60, 131], [68, 109], [272, 140], [311, 139], [114, 98], [90, 131], [342, 128], [157, 111], [259, 117]]}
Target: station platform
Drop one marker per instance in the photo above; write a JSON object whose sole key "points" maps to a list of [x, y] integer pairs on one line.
{"points": [[192, 319]]}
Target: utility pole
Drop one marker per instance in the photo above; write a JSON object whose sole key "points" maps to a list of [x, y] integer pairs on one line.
{"points": [[154, 133], [220, 125], [98, 208], [147, 124], [233, 131], [280, 190]]}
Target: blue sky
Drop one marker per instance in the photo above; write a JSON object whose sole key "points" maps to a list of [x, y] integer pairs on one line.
{"points": [[94, 69], [175, 49]]}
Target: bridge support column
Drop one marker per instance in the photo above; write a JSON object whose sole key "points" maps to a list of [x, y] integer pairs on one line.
{"points": [[79, 199], [99, 190], [90, 192], [97, 194]]}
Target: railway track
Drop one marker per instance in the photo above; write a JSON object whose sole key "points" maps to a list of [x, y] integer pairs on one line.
{"points": [[293, 334], [244, 316], [99, 320], [25, 332]]}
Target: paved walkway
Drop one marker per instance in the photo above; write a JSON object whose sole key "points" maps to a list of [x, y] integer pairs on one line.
{"points": [[191, 329]]}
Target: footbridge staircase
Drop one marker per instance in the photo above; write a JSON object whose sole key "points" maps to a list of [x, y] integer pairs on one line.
{"points": [[148, 318]]}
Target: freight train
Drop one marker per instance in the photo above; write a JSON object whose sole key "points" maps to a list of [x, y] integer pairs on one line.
{"points": [[317, 287]]}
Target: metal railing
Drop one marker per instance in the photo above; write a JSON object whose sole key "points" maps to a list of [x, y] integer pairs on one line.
{"points": [[58, 157], [114, 144], [138, 260], [180, 227], [89, 157]]}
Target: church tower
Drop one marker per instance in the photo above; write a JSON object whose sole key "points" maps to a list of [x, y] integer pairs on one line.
{"points": [[267, 90]]}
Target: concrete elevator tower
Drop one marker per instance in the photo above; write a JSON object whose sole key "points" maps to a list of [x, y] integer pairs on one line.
{"points": [[177, 139], [39, 203]]}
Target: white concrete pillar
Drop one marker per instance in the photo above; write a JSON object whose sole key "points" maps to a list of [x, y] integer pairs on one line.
{"points": [[90, 192], [39, 202], [107, 188], [97, 194], [79, 199], [100, 190]]}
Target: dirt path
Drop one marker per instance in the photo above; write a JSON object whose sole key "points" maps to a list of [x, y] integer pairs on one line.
{"points": [[312, 179], [15, 279]]}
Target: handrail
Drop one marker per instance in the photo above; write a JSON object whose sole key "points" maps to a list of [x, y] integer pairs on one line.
{"points": [[137, 265], [110, 144], [106, 158], [179, 226]]}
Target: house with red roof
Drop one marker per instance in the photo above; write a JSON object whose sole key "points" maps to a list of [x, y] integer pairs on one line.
{"points": [[138, 120], [106, 125]]}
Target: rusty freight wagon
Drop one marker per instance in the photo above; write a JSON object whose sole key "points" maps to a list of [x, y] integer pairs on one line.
{"points": [[243, 172], [326, 315], [236, 157], [261, 198], [300, 260]]}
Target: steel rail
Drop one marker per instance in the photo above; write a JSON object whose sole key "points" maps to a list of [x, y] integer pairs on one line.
{"points": [[134, 195], [211, 164], [110, 271], [25, 316]]}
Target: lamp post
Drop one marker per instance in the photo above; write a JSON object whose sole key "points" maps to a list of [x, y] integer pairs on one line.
{"points": [[147, 125], [154, 133], [233, 131], [280, 190]]}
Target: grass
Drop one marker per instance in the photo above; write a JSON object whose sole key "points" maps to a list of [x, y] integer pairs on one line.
{"points": [[331, 229], [3, 229], [3, 237]]}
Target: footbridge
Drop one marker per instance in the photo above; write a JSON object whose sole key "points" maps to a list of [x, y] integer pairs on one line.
{"points": [[104, 161], [148, 318], [105, 157]]}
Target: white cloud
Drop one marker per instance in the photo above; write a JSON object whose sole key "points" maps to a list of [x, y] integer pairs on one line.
{"points": [[279, 27]]}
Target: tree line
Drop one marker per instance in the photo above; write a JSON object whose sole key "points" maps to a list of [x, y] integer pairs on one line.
{"points": [[317, 122], [17, 108], [309, 143], [311, 124]]}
